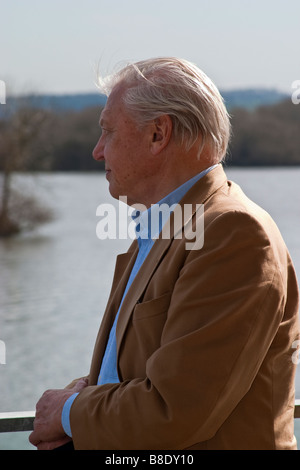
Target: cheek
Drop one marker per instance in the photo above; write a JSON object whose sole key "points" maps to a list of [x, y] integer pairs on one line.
{"points": [[128, 174], [126, 161], [122, 160]]}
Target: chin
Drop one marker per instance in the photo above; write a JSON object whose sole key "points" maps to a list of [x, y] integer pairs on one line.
{"points": [[114, 192]]}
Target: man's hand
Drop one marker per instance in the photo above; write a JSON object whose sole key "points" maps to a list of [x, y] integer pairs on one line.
{"points": [[48, 431]]}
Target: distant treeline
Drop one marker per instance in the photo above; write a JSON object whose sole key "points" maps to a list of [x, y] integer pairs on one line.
{"points": [[267, 135]]}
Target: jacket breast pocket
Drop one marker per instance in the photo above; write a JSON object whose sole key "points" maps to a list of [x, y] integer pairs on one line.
{"points": [[143, 336], [152, 308]]}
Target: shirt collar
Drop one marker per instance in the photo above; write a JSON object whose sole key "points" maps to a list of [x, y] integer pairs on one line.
{"points": [[150, 222]]}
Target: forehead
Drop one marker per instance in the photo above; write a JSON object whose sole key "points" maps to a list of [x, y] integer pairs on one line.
{"points": [[114, 105], [115, 113]]}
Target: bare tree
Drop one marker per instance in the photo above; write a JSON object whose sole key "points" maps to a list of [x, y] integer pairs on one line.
{"points": [[20, 131]]}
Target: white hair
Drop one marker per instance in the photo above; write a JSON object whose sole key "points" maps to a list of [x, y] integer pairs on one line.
{"points": [[176, 87]]}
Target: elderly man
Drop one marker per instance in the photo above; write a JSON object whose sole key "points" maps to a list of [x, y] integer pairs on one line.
{"points": [[195, 347]]}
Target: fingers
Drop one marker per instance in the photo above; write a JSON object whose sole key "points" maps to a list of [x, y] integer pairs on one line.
{"points": [[33, 439], [82, 383], [47, 423], [54, 444]]}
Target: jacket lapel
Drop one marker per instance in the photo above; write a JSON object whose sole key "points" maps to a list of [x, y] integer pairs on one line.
{"points": [[124, 265], [139, 285]]}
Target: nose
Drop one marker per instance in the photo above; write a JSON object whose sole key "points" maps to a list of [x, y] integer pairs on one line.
{"points": [[98, 152]]}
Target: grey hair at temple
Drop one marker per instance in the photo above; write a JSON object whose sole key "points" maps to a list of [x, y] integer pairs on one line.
{"points": [[168, 85]]}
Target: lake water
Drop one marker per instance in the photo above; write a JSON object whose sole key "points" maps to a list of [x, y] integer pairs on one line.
{"points": [[55, 281]]}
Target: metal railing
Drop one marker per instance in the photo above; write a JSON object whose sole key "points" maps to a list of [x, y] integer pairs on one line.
{"points": [[23, 420], [17, 421]]}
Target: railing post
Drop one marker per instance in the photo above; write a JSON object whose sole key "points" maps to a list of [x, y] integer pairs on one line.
{"points": [[17, 421], [297, 409]]}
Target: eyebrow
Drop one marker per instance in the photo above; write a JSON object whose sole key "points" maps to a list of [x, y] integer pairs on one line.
{"points": [[102, 120]]}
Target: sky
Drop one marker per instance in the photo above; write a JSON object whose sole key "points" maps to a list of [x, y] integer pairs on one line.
{"points": [[57, 46]]}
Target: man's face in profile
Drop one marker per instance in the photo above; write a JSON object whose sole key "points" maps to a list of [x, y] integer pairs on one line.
{"points": [[125, 149]]}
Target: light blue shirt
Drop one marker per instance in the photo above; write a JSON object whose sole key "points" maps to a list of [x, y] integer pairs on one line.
{"points": [[144, 231]]}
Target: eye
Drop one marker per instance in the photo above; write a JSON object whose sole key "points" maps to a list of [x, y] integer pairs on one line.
{"points": [[105, 130]]}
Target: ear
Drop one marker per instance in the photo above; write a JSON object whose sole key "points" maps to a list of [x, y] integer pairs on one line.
{"points": [[161, 133]]}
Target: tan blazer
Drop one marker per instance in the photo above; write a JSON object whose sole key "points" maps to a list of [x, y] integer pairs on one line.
{"points": [[205, 338]]}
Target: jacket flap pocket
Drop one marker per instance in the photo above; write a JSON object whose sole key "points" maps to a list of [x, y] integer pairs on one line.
{"points": [[153, 307]]}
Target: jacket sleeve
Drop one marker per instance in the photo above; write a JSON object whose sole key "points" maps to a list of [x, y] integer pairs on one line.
{"points": [[224, 312]]}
